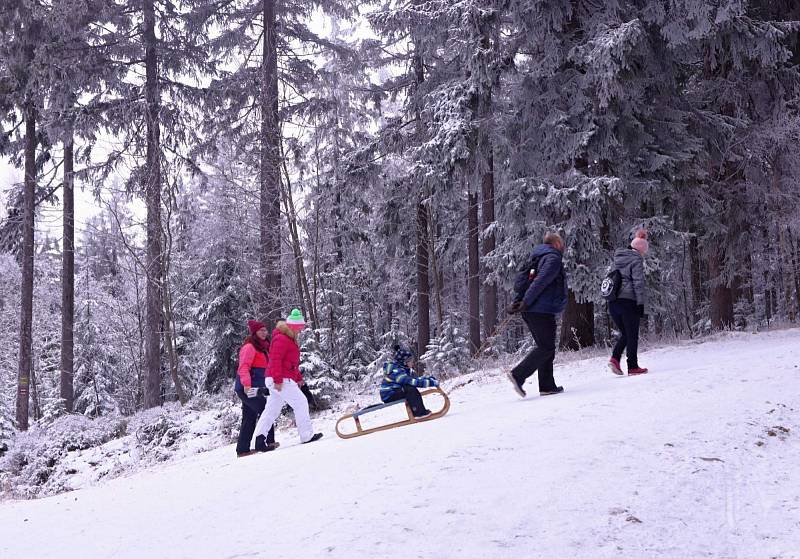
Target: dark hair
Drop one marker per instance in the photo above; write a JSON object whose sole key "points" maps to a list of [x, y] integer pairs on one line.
{"points": [[551, 238], [255, 341]]}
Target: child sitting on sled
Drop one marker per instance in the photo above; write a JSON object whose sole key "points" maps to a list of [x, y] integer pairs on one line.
{"points": [[400, 383]]}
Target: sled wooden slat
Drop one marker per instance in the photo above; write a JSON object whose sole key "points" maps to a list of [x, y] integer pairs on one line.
{"points": [[356, 416], [376, 407]]}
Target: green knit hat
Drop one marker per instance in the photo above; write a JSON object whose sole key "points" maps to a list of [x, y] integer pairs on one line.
{"points": [[295, 318]]}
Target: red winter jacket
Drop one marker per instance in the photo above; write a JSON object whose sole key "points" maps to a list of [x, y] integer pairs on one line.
{"points": [[284, 355]]}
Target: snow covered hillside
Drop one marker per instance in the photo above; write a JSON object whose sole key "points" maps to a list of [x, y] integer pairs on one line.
{"points": [[700, 458]]}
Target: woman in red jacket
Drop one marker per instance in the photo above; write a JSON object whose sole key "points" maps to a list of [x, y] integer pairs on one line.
{"points": [[284, 379], [249, 379]]}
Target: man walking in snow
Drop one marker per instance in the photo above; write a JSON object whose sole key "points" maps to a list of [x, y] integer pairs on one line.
{"points": [[541, 294]]}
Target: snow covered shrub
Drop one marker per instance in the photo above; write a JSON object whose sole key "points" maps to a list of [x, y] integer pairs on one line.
{"points": [[158, 432], [33, 464], [52, 410], [6, 431], [744, 312], [358, 364], [228, 420], [227, 414], [448, 354], [322, 378], [395, 336]]}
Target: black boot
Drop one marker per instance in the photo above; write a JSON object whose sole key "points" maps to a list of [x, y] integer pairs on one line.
{"points": [[262, 446], [316, 437]]}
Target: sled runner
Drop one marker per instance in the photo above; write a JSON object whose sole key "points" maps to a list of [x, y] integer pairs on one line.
{"points": [[356, 417]]}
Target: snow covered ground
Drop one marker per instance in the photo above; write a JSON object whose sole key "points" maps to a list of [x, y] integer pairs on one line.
{"points": [[700, 458]]}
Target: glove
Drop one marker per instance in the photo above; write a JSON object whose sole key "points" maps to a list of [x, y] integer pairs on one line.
{"points": [[640, 308], [251, 392], [434, 382], [514, 307]]}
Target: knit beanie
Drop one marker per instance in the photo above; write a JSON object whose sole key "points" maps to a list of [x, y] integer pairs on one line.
{"points": [[295, 319], [402, 354], [254, 326]]}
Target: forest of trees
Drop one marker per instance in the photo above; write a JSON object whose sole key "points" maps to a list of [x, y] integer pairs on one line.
{"points": [[383, 165]]}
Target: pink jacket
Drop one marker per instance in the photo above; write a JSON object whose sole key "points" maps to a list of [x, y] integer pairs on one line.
{"points": [[284, 355], [250, 359]]}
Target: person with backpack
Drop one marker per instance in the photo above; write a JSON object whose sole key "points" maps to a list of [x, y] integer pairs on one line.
{"points": [[627, 306], [399, 382], [284, 380], [540, 294], [251, 390]]}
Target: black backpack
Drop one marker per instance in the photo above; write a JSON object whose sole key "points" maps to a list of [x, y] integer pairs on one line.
{"points": [[525, 276], [609, 287]]}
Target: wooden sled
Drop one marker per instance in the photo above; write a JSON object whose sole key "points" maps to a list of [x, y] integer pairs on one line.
{"points": [[356, 417]]}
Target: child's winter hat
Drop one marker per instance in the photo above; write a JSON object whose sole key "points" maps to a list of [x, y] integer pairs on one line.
{"points": [[254, 326], [402, 354], [295, 318]]}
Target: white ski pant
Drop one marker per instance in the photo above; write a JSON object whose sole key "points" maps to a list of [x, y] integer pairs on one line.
{"points": [[291, 394]]}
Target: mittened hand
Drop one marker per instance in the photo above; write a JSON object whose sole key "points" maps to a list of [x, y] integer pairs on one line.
{"points": [[434, 382], [514, 307]]}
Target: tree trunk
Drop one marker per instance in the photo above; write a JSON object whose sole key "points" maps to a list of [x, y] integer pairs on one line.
{"points": [[784, 254], [152, 388], [577, 324], [270, 210], [68, 277], [26, 291], [302, 278], [169, 343], [487, 215], [684, 292], [423, 285], [473, 279], [438, 280], [793, 265], [422, 249], [37, 408], [484, 156], [170, 335], [697, 276], [721, 294]]}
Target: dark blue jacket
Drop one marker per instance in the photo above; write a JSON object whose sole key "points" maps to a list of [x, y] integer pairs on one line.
{"points": [[548, 290]]}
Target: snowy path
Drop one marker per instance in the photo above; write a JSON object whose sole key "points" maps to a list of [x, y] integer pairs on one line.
{"points": [[677, 463]]}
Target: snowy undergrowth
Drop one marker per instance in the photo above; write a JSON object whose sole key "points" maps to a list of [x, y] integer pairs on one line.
{"points": [[75, 452], [696, 459]]}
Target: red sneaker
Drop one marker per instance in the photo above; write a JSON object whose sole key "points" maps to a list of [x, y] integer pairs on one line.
{"points": [[637, 371], [613, 364]]}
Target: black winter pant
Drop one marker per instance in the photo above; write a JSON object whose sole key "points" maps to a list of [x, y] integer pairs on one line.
{"points": [[251, 411], [412, 396], [625, 314], [543, 329]]}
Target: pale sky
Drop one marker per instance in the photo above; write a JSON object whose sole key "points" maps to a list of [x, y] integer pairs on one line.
{"points": [[48, 217]]}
